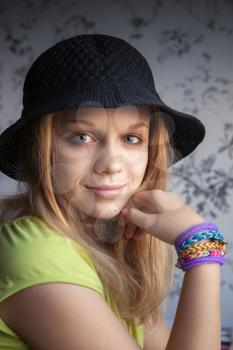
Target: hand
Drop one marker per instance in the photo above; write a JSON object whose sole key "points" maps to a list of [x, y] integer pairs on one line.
{"points": [[162, 214]]}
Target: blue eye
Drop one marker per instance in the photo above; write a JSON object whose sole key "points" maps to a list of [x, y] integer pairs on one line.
{"points": [[75, 135], [137, 138]]}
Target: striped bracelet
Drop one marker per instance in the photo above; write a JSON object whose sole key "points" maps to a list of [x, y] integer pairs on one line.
{"points": [[214, 252], [216, 235], [202, 246], [191, 252]]}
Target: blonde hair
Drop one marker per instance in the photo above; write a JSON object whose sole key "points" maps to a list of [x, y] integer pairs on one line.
{"points": [[137, 273]]}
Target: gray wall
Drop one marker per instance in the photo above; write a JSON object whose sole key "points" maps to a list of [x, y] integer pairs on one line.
{"points": [[189, 45]]}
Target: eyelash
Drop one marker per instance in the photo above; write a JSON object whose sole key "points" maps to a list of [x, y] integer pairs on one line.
{"points": [[78, 134]]}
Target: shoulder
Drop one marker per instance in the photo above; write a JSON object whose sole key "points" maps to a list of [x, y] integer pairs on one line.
{"points": [[37, 258], [31, 233], [23, 230], [32, 253]]}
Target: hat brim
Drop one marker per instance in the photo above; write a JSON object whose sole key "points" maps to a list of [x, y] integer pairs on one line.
{"points": [[10, 150], [186, 130]]}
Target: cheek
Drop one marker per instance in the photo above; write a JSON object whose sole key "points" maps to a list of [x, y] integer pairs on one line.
{"points": [[138, 160], [67, 177], [69, 168], [136, 169]]}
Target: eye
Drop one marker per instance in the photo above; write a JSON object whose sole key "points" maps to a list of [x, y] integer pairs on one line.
{"points": [[136, 137], [83, 135], [77, 135]]}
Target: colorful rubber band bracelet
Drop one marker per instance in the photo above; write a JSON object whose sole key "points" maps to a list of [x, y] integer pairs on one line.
{"points": [[194, 229]]}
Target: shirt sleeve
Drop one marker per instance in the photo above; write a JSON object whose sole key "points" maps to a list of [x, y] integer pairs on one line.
{"points": [[33, 253]]}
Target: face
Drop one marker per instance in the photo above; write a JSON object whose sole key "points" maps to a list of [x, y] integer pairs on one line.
{"points": [[101, 147]]}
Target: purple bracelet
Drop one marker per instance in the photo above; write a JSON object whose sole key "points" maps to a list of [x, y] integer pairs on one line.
{"points": [[202, 260], [194, 229], [186, 235]]}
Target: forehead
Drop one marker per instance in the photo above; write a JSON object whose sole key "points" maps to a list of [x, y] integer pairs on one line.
{"points": [[95, 113]]}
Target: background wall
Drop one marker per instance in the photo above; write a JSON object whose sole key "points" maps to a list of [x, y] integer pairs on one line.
{"points": [[189, 45]]}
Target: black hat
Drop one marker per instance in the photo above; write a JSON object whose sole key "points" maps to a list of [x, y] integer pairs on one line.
{"points": [[96, 70]]}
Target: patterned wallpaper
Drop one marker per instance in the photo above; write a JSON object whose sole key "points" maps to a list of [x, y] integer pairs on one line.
{"points": [[189, 45]]}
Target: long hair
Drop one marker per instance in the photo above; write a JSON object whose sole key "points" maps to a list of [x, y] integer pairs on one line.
{"points": [[137, 273]]}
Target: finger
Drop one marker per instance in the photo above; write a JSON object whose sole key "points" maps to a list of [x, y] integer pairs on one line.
{"points": [[142, 220], [173, 194], [148, 201], [139, 234], [130, 230], [143, 204], [158, 201]]}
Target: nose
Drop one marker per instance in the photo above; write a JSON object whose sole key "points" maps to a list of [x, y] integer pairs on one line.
{"points": [[109, 159]]}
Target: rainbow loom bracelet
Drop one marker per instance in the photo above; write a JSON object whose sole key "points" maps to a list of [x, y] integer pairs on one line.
{"points": [[216, 235], [189, 234], [202, 246], [194, 229], [212, 252]]}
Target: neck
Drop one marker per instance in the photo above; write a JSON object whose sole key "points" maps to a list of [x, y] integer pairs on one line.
{"points": [[105, 230]]}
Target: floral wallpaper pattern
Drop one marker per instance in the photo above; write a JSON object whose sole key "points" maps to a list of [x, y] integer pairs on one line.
{"points": [[189, 45]]}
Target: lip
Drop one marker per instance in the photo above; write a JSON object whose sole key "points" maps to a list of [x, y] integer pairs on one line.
{"points": [[113, 187], [109, 192]]}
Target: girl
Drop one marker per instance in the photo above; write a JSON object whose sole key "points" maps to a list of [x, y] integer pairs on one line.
{"points": [[77, 272]]}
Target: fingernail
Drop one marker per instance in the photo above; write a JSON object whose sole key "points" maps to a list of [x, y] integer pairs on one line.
{"points": [[125, 211], [121, 221]]}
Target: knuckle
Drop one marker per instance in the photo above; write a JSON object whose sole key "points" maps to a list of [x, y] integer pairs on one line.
{"points": [[157, 193]]}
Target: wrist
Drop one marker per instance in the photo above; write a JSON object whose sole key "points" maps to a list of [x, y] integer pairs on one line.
{"points": [[200, 244]]}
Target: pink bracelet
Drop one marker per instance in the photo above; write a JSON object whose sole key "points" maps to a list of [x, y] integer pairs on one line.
{"points": [[212, 252]]}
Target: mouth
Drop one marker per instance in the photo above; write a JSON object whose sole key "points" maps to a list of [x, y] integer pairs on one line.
{"points": [[107, 192]]}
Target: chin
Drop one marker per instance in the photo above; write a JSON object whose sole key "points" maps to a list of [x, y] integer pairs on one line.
{"points": [[105, 211]]}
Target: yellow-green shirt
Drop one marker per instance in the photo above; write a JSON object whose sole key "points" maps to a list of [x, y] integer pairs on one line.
{"points": [[32, 253]]}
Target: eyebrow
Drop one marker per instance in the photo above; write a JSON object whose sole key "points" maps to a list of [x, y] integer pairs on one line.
{"points": [[134, 126]]}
